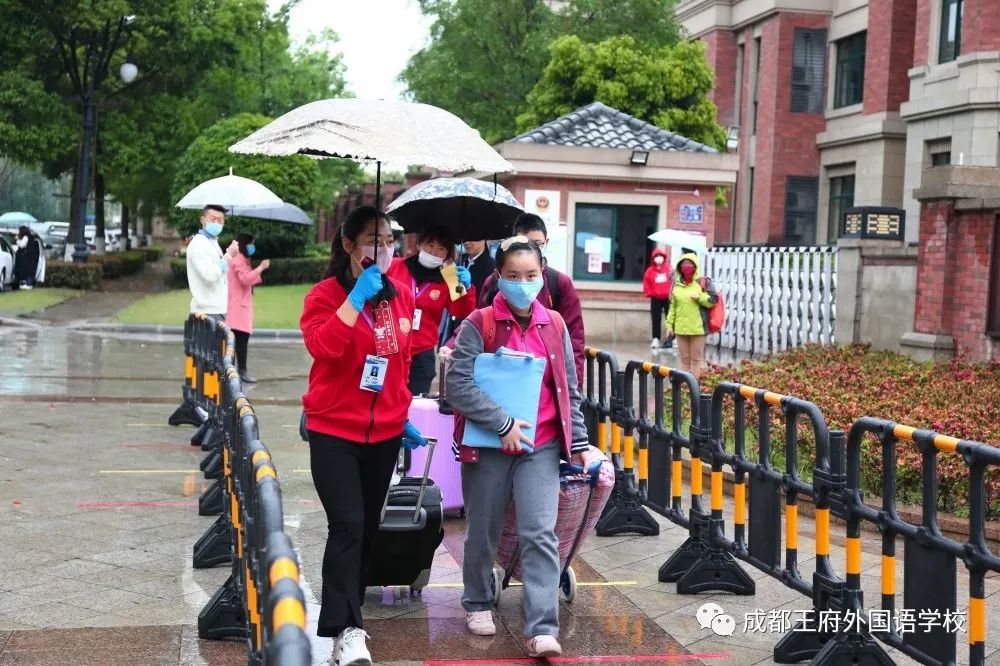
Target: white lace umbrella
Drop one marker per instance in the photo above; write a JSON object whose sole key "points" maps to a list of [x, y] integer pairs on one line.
{"points": [[377, 131], [230, 191]]}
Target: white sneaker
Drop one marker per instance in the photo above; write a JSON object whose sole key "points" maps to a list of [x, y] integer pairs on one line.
{"points": [[349, 648], [480, 623], [655, 343], [543, 647]]}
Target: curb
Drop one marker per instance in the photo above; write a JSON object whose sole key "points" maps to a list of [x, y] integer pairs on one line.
{"points": [[155, 329], [18, 323]]}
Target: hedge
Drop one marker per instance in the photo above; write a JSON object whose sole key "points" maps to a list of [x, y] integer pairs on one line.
{"points": [[152, 254], [118, 264], [73, 276], [282, 271], [952, 398]]}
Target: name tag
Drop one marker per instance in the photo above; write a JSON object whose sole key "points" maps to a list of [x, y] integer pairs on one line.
{"points": [[418, 314], [373, 375], [660, 278]]}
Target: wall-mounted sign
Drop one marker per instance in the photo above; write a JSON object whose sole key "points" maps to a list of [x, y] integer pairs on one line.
{"points": [[874, 222], [544, 204], [692, 213]]}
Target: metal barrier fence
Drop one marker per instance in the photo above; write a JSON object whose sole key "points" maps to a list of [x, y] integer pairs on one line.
{"points": [[261, 601], [668, 428]]}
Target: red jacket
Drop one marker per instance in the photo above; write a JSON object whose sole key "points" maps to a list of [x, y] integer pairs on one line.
{"points": [[656, 279], [568, 306], [335, 404], [432, 299]]}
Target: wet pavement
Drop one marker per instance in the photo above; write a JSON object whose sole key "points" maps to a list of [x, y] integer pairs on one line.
{"points": [[98, 516]]}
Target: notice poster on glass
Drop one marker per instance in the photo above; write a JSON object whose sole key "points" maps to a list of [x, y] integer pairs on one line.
{"points": [[595, 263]]}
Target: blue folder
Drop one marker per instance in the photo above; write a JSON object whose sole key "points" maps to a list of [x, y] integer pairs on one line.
{"points": [[513, 380]]}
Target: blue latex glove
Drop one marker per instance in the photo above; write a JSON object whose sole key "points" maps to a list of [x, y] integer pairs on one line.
{"points": [[464, 276], [223, 266], [369, 283], [412, 437]]}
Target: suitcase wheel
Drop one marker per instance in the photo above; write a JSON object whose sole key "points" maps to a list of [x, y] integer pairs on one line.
{"points": [[421, 582], [497, 584], [567, 584]]}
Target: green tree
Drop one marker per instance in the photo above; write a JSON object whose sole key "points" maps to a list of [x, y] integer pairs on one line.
{"points": [[485, 56], [296, 180], [199, 61], [667, 87]]}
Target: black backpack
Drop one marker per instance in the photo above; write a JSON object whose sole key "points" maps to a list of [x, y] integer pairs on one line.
{"points": [[551, 283]]}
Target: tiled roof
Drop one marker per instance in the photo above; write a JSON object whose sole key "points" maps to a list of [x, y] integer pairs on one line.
{"points": [[600, 126]]}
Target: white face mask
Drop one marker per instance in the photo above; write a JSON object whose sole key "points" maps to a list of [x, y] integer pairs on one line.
{"points": [[382, 256], [428, 260]]}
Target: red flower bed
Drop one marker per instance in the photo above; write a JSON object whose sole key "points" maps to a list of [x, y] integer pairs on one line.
{"points": [[951, 398]]}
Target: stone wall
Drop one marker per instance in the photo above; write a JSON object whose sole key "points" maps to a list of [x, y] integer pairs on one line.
{"points": [[875, 292]]}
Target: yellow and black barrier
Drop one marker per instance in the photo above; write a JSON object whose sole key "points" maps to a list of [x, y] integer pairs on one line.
{"points": [[766, 492], [604, 414], [261, 601]]}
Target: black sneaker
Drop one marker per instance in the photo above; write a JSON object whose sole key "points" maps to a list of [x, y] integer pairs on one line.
{"points": [[246, 378]]}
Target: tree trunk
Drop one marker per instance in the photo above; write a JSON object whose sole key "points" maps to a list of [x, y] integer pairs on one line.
{"points": [[99, 211], [125, 230], [74, 206]]}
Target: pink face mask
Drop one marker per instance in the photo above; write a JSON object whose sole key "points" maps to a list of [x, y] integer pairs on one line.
{"points": [[658, 261], [687, 270]]}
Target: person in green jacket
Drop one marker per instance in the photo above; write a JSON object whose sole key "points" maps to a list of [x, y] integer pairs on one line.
{"points": [[690, 300]]}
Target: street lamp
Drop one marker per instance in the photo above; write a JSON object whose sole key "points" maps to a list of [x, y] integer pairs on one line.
{"points": [[86, 87]]}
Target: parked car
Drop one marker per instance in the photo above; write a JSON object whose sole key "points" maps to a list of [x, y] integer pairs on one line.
{"points": [[6, 262], [53, 235]]}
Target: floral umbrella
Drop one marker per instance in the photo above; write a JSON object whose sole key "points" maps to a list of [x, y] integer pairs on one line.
{"points": [[473, 209]]}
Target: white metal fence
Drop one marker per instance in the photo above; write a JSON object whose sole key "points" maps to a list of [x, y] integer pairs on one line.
{"points": [[776, 298]]}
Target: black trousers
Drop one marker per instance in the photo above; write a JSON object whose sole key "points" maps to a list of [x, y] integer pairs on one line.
{"points": [[351, 480], [422, 372], [658, 308], [242, 340]]}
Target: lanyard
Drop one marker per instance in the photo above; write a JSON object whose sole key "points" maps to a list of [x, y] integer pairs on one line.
{"points": [[417, 294]]}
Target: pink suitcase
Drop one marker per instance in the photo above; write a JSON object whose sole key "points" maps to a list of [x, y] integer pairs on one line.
{"points": [[581, 501], [445, 470]]}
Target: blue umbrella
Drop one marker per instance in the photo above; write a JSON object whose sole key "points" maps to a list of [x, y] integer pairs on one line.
{"points": [[16, 219], [473, 209]]}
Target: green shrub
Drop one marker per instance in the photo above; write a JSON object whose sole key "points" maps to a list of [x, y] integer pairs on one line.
{"points": [[316, 250], [296, 271], [118, 264], [178, 278], [282, 271], [152, 254], [73, 276]]}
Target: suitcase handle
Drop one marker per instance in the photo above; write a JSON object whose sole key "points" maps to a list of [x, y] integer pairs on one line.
{"points": [[432, 443]]}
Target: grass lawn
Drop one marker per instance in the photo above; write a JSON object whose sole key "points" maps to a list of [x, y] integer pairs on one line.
{"points": [[274, 307], [23, 301]]}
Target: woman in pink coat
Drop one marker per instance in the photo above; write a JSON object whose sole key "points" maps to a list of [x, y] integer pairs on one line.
{"points": [[239, 313]]}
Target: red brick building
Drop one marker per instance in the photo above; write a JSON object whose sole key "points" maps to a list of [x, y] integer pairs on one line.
{"points": [[840, 103]]}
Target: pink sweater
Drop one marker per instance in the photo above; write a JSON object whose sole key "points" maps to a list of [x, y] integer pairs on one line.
{"points": [[547, 422]]}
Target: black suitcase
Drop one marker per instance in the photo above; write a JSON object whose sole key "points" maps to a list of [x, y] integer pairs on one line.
{"points": [[411, 530]]}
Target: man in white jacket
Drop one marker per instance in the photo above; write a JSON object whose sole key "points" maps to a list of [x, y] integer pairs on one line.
{"points": [[207, 265]]}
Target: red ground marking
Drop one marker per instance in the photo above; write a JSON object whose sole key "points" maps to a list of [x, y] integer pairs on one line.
{"points": [[157, 445], [632, 659], [135, 505]]}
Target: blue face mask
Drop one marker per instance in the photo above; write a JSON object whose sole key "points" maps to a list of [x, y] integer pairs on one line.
{"points": [[520, 294], [213, 229], [251, 248]]}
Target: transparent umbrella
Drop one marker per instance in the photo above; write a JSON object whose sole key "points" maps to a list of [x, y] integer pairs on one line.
{"points": [[230, 191], [377, 131]]}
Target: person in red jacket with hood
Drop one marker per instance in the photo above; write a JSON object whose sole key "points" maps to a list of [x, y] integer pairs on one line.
{"points": [[422, 278], [357, 326], [656, 287]]}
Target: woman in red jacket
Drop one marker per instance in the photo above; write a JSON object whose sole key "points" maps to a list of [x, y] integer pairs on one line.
{"points": [[356, 325], [422, 275], [656, 287]]}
